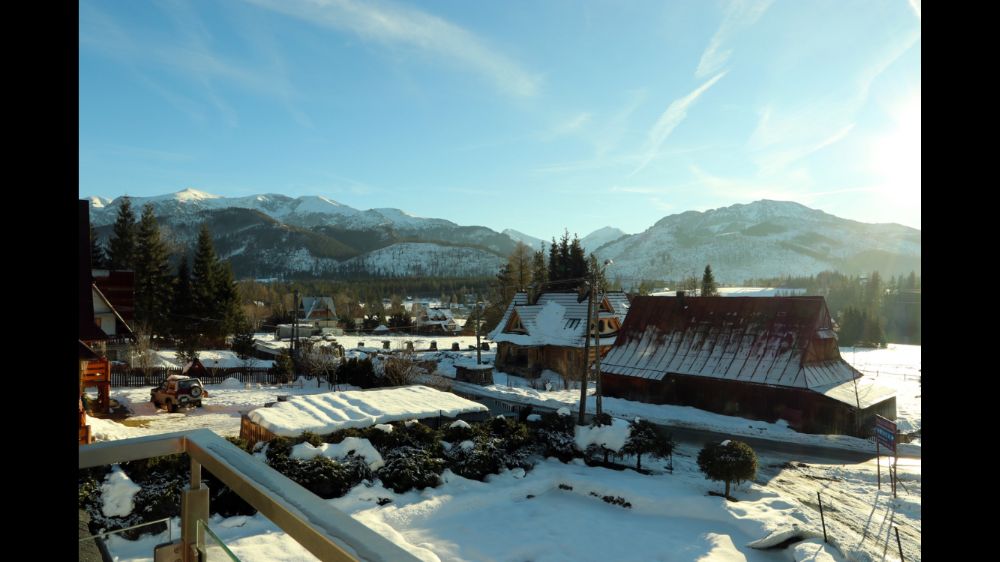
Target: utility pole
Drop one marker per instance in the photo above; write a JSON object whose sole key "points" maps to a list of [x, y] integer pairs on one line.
{"points": [[586, 358], [597, 346], [479, 348]]}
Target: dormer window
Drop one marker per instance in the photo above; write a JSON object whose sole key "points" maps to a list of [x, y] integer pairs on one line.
{"points": [[515, 325]]}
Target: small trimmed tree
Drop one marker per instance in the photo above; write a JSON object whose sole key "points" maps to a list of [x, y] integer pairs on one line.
{"points": [[729, 461], [284, 367], [644, 440]]}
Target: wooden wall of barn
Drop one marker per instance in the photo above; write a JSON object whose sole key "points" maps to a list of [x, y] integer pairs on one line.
{"points": [[804, 410]]}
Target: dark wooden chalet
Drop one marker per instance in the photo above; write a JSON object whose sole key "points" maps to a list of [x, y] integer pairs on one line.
{"points": [[549, 333], [758, 358]]}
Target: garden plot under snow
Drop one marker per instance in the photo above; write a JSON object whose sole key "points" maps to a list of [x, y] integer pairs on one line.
{"points": [[555, 512], [332, 411]]}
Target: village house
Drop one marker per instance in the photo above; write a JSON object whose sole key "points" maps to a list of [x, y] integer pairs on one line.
{"points": [[549, 333], [758, 358], [435, 321]]}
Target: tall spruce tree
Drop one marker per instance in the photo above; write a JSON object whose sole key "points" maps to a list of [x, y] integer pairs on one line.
{"points": [[153, 283], [227, 300], [203, 273], [708, 286], [539, 270], [121, 245], [182, 307], [97, 257], [577, 265]]}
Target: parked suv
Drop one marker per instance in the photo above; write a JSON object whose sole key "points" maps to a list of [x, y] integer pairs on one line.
{"points": [[178, 391]]}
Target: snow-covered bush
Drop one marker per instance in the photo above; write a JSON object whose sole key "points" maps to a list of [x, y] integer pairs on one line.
{"points": [[554, 435], [410, 467], [486, 456], [457, 432]]}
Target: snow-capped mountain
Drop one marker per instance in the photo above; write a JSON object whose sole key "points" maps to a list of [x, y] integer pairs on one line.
{"points": [[527, 239], [600, 237], [274, 235], [762, 239]]}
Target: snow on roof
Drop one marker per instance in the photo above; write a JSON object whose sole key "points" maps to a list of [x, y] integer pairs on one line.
{"points": [[556, 318], [866, 393], [778, 341], [332, 411], [316, 308]]}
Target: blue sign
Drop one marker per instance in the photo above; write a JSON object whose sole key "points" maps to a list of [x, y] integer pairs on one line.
{"points": [[885, 433]]}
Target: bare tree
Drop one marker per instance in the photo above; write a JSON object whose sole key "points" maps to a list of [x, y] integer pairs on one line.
{"points": [[400, 369], [141, 352]]}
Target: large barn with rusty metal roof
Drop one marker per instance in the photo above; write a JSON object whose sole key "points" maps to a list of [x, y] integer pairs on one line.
{"points": [[759, 358]]}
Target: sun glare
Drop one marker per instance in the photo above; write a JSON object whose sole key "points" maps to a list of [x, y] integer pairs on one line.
{"points": [[895, 157]]}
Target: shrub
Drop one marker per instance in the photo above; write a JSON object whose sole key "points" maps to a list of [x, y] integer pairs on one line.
{"points": [[357, 372], [457, 434], [729, 461], [644, 440], [407, 468], [554, 436], [485, 457], [322, 476]]}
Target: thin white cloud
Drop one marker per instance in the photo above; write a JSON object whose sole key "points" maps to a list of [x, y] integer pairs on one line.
{"points": [[392, 24], [569, 126], [775, 161], [191, 56], [739, 14], [668, 121], [915, 4]]}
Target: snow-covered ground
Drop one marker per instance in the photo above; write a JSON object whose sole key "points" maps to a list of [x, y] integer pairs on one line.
{"points": [[220, 410], [212, 359], [532, 516], [671, 518]]}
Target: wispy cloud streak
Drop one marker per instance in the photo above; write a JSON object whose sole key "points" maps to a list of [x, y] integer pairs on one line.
{"points": [[392, 24], [739, 14], [668, 121]]}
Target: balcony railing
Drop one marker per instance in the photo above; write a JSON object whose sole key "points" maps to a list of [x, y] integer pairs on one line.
{"points": [[324, 531]]}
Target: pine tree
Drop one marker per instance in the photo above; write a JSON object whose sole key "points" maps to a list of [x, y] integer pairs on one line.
{"points": [[203, 276], [121, 245], [227, 301], [97, 258], [182, 307], [577, 265], [539, 269], [644, 440], [153, 290], [708, 286], [555, 263]]}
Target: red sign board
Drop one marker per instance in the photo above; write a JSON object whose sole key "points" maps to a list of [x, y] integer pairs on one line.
{"points": [[885, 433]]}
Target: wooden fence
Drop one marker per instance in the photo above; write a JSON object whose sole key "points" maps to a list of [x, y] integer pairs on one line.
{"points": [[123, 376]]}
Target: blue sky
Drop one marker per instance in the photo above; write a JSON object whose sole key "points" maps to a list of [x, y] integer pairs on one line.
{"points": [[527, 115]]}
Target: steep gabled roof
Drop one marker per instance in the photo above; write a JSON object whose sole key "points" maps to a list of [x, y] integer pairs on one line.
{"points": [[555, 319], [318, 308], [782, 341]]}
